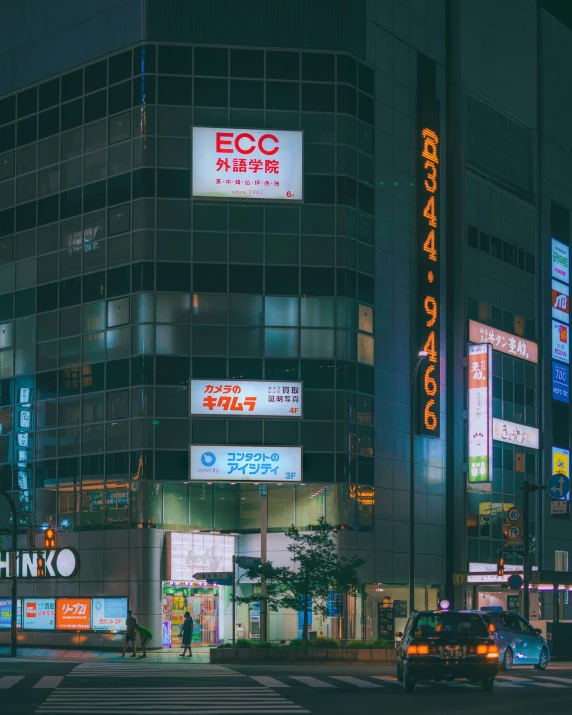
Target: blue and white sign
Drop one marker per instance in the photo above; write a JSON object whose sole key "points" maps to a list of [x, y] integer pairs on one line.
{"points": [[560, 261], [239, 463], [558, 486], [109, 614], [560, 382]]}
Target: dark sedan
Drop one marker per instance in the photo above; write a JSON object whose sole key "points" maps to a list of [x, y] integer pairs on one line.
{"points": [[447, 645]]}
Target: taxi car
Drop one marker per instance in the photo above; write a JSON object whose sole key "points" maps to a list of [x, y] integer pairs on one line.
{"points": [[447, 645], [518, 642]]}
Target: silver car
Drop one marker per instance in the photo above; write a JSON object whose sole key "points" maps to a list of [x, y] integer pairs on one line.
{"points": [[518, 642]]}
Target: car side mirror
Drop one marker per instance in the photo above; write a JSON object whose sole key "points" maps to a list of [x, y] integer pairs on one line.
{"points": [[538, 631], [399, 635]]}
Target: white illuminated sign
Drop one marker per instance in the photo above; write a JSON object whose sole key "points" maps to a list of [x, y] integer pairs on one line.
{"points": [[40, 614], [560, 301], [242, 398], [60, 563], [188, 554], [560, 341], [480, 414], [560, 261], [247, 164], [521, 435], [108, 614], [240, 463]]}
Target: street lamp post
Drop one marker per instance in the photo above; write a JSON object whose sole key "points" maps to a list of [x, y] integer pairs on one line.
{"points": [[13, 569], [421, 355]]}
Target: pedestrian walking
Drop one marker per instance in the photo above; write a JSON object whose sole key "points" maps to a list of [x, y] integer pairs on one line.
{"points": [[145, 635], [187, 634], [130, 633]]}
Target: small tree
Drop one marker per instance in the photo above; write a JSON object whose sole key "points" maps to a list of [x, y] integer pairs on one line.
{"points": [[317, 570]]}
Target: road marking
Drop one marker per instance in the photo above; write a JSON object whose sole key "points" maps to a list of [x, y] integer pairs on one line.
{"points": [[500, 684], [387, 678], [49, 681], [355, 681], [312, 682], [9, 680], [568, 681], [167, 701], [268, 682]]}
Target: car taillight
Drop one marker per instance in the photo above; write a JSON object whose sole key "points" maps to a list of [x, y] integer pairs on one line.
{"points": [[491, 651], [491, 628], [418, 650]]}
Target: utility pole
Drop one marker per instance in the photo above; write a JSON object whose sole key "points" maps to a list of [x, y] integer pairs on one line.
{"points": [[527, 488]]}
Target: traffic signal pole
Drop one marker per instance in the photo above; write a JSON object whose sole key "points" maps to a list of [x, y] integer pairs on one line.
{"points": [[14, 569], [527, 488]]}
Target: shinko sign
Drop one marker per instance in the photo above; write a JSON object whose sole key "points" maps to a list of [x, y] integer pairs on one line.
{"points": [[60, 563], [240, 463], [247, 164]]}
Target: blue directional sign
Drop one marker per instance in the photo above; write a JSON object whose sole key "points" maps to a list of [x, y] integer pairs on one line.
{"points": [[558, 486]]}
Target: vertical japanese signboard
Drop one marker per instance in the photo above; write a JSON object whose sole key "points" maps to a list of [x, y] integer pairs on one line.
{"points": [[480, 414], [254, 164], [560, 261], [429, 248]]}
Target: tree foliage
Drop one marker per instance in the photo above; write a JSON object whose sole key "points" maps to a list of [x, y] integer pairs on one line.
{"points": [[316, 571]]}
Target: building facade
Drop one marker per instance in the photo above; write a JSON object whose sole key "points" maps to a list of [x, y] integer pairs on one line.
{"points": [[118, 287]]}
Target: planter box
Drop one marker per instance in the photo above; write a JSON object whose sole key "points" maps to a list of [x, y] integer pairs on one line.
{"points": [[357, 656]]}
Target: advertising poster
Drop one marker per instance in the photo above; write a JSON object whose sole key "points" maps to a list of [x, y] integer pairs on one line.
{"points": [[561, 464], [560, 341], [246, 398], [480, 414], [560, 302], [560, 382], [109, 614], [560, 261], [39, 614], [6, 614], [385, 622], [254, 164], [73, 614], [242, 463]]}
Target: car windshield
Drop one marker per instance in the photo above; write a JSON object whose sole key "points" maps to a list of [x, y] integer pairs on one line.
{"points": [[429, 624]]}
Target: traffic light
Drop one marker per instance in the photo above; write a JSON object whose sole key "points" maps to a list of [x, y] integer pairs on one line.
{"points": [[50, 538], [41, 566], [500, 566]]}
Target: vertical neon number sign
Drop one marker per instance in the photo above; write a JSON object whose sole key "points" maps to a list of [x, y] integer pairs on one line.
{"points": [[429, 281]]}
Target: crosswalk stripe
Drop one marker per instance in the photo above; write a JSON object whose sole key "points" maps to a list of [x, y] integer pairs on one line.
{"points": [[269, 682], [355, 681], [7, 681], [500, 684], [568, 681], [312, 682], [49, 681], [387, 678]]}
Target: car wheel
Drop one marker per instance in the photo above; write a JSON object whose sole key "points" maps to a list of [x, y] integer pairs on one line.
{"points": [[488, 685], [543, 660], [399, 674], [508, 660], [408, 683]]}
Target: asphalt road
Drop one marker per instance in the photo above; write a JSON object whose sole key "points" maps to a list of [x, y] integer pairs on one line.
{"points": [[36, 687]]}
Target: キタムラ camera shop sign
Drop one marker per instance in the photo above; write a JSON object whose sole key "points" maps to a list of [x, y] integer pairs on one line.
{"points": [[60, 563], [246, 398], [247, 164]]}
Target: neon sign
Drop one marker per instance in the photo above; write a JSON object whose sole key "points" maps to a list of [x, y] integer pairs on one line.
{"points": [[429, 263]]}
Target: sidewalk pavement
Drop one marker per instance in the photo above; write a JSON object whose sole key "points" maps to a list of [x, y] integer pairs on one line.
{"points": [[164, 655]]}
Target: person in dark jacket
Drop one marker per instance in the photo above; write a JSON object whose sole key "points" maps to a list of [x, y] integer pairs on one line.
{"points": [[187, 634]]}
